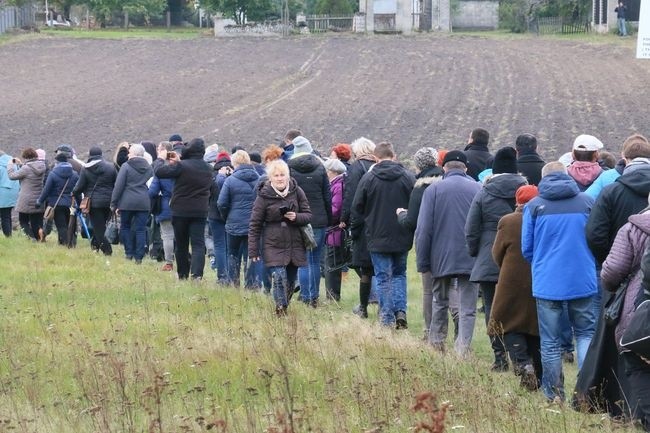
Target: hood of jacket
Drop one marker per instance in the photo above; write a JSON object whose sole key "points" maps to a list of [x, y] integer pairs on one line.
{"points": [[638, 180], [38, 165], [305, 163], [527, 155], [558, 186], [428, 176], [266, 190], [642, 221], [388, 170], [584, 172], [195, 150], [246, 172], [504, 185], [139, 164], [63, 170], [477, 147]]}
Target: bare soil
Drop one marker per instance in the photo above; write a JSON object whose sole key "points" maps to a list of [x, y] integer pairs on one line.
{"points": [[413, 91]]}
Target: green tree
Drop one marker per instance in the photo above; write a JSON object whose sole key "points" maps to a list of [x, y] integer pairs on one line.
{"points": [[243, 11], [334, 7]]}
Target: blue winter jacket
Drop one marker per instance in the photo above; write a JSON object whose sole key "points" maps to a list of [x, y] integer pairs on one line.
{"points": [[553, 240], [8, 188], [55, 183], [164, 187], [236, 199]]}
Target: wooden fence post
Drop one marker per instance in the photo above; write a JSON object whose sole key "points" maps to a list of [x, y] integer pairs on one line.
{"points": [[169, 21]]}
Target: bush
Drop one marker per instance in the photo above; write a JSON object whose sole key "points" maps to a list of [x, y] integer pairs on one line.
{"points": [[513, 15]]}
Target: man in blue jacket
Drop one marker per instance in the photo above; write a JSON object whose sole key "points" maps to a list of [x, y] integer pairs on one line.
{"points": [[553, 239]]}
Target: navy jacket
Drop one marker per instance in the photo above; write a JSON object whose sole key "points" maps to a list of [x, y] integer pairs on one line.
{"points": [[236, 199], [165, 188], [55, 183]]}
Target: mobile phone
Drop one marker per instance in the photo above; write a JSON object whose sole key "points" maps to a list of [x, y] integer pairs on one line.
{"points": [[171, 155], [284, 210]]}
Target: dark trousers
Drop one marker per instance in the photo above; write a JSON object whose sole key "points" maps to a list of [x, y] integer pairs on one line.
{"points": [[237, 251], [31, 223], [488, 288], [5, 220], [99, 216], [638, 374], [524, 349], [189, 231], [61, 219]]}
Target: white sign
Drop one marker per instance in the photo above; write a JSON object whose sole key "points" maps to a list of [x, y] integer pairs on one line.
{"points": [[643, 42]]}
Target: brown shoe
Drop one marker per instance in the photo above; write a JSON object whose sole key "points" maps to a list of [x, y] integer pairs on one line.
{"points": [[167, 267]]}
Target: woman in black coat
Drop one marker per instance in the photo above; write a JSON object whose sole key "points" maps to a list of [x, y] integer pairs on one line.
{"points": [[96, 181]]}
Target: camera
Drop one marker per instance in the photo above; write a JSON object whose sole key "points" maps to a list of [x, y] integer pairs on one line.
{"points": [[284, 210], [171, 155]]}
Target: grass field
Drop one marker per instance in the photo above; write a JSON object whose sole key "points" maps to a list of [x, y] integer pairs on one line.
{"points": [[95, 344]]}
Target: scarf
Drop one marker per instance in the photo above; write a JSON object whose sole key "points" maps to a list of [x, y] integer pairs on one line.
{"points": [[282, 194]]}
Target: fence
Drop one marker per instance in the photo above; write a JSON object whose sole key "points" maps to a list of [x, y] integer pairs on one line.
{"points": [[323, 23], [551, 25], [13, 17]]}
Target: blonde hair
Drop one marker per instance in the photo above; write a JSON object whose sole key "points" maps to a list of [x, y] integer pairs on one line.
{"points": [[240, 157], [363, 146], [277, 165], [553, 167]]}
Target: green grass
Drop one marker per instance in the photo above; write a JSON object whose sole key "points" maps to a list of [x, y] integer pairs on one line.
{"points": [[95, 344], [132, 33]]}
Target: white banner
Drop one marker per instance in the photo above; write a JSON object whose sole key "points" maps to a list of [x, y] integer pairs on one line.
{"points": [[643, 42]]}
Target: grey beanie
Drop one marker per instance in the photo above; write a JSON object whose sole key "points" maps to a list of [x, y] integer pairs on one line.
{"points": [[425, 157], [335, 165], [301, 145]]}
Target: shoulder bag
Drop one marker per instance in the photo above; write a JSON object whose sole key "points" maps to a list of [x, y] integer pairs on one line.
{"points": [[48, 215]]}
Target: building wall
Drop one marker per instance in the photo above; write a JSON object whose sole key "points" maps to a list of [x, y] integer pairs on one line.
{"points": [[477, 15]]}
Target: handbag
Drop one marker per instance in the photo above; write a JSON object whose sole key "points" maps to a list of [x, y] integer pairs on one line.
{"points": [[84, 206], [338, 257], [308, 238], [636, 336], [614, 306], [48, 215], [112, 233], [156, 205]]}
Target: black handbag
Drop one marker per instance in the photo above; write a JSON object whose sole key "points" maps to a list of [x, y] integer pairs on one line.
{"points": [[614, 306], [308, 237], [112, 233], [636, 336]]}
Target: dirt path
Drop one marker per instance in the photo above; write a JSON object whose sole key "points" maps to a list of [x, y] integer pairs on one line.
{"points": [[413, 91]]}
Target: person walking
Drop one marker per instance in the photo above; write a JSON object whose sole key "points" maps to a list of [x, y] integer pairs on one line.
{"points": [[130, 199], [280, 209], [9, 190], [496, 199], [441, 227], [552, 238], [235, 204], [96, 181], [57, 193], [335, 239], [164, 188], [189, 204], [31, 176], [385, 188]]}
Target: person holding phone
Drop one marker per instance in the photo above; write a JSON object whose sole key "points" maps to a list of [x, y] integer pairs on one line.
{"points": [[279, 210]]}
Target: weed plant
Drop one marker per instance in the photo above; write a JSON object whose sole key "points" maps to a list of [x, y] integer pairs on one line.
{"points": [[98, 344]]}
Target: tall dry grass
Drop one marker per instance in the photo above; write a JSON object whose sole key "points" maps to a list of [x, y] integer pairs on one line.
{"points": [[95, 344]]}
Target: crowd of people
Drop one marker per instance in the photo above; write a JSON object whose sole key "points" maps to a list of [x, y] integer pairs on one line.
{"points": [[544, 244]]}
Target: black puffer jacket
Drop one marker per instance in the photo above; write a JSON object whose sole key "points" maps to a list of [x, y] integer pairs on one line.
{"points": [[493, 201], [386, 187], [193, 182], [96, 180], [311, 176], [628, 195]]}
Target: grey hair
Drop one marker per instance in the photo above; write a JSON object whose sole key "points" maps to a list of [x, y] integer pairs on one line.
{"points": [[137, 149], [449, 165], [553, 167]]}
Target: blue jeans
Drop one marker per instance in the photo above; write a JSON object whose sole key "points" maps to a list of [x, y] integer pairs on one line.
{"points": [[390, 271], [309, 276], [581, 317], [133, 232], [622, 29], [220, 249]]}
